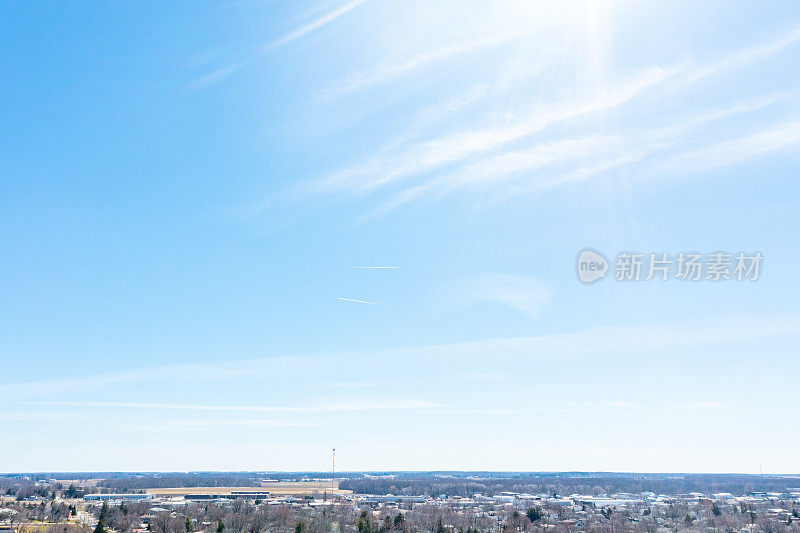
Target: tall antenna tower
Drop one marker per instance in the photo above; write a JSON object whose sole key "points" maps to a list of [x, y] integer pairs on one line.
{"points": [[333, 469]]}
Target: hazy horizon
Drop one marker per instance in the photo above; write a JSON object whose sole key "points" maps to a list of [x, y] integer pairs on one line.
{"points": [[239, 234]]}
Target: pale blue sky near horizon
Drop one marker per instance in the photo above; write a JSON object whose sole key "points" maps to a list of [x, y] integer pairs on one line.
{"points": [[186, 188]]}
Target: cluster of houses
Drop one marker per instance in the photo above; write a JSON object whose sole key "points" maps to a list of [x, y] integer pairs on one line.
{"points": [[577, 503]]}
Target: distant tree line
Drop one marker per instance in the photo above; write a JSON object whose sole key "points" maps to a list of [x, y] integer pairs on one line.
{"points": [[466, 485], [420, 483]]}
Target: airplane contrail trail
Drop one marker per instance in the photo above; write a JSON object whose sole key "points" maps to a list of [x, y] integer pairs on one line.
{"points": [[322, 21], [231, 69], [358, 301]]}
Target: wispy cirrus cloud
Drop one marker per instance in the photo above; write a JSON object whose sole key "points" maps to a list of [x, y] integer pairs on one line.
{"points": [[248, 57], [11, 416], [745, 56], [349, 384], [488, 154], [477, 377], [455, 34], [780, 137], [548, 164], [524, 294], [591, 158], [430, 155], [183, 426], [320, 406], [603, 343], [318, 23], [613, 407], [386, 72]]}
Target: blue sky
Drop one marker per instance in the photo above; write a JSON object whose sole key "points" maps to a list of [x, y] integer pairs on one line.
{"points": [[185, 188]]}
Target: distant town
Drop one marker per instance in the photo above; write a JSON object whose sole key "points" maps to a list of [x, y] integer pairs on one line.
{"points": [[437, 502]]}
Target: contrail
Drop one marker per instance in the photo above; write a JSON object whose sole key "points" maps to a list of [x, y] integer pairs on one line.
{"points": [[371, 267], [333, 15], [358, 301], [231, 69]]}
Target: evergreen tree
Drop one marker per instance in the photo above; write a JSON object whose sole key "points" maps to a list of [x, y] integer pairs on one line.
{"points": [[534, 514], [363, 524], [104, 510]]}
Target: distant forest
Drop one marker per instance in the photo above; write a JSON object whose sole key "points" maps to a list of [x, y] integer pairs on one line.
{"points": [[568, 483], [436, 483]]}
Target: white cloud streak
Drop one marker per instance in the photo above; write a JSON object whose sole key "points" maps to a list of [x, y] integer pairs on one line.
{"points": [[358, 301], [744, 57], [324, 407], [477, 157], [524, 294], [573, 160], [183, 426], [318, 23], [601, 342], [477, 377], [780, 137], [431, 155], [233, 67], [384, 73]]}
